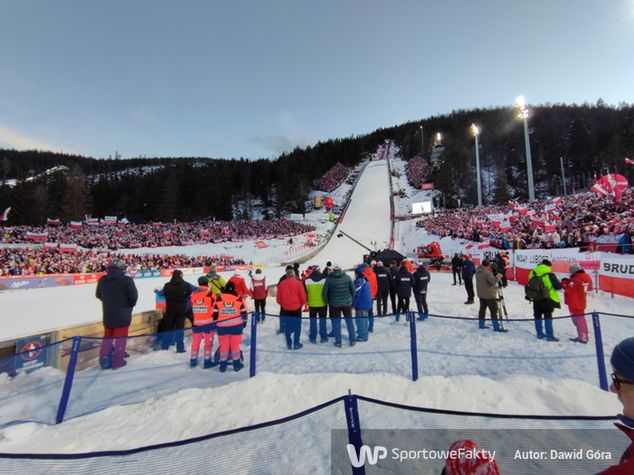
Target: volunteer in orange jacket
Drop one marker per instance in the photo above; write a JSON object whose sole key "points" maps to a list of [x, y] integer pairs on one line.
{"points": [[229, 315], [575, 290], [202, 301]]}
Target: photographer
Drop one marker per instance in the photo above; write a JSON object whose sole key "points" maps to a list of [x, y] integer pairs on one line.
{"points": [[487, 279]]}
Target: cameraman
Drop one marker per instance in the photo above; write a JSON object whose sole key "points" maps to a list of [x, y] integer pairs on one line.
{"points": [[487, 279]]}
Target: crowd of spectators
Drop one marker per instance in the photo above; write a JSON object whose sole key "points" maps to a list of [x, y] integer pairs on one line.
{"points": [[584, 220], [418, 171], [129, 236], [332, 178], [35, 261]]}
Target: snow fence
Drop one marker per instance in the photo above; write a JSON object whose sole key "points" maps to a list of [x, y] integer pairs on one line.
{"points": [[51, 383], [331, 438]]}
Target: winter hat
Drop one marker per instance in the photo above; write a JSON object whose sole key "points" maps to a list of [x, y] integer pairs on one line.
{"points": [[458, 463], [315, 267], [290, 268], [336, 266], [118, 263], [213, 267], [359, 270], [574, 268], [373, 262], [203, 280], [328, 264], [177, 273], [229, 288], [622, 359], [258, 271], [546, 262], [379, 263]]}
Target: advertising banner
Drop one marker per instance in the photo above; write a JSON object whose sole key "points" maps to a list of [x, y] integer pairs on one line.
{"points": [[35, 282], [616, 274], [31, 353]]}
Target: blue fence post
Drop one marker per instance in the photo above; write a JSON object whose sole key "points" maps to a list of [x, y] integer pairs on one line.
{"points": [[68, 382], [598, 342], [254, 341], [354, 428], [413, 346]]}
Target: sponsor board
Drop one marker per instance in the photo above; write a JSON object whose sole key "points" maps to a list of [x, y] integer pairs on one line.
{"points": [[616, 275]]}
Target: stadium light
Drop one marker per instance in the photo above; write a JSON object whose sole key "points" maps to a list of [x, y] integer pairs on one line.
{"points": [[522, 113], [476, 133]]}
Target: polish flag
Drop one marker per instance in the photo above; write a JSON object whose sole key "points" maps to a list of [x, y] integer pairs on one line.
{"points": [[629, 161], [5, 216]]}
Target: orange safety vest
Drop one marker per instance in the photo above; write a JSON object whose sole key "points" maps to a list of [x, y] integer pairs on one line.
{"points": [[228, 310], [202, 306]]}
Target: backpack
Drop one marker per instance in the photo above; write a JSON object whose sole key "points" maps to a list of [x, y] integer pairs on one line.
{"points": [[536, 289]]}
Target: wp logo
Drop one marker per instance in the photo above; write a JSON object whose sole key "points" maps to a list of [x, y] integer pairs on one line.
{"points": [[373, 456]]}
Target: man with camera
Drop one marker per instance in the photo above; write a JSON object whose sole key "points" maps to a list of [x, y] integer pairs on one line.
{"points": [[487, 280]]}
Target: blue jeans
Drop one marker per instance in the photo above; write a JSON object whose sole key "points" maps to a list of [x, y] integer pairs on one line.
{"points": [[292, 324], [335, 317], [371, 318], [362, 323], [313, 313]]}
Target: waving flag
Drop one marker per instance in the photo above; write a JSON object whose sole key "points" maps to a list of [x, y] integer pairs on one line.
{"points": [[629, 161], [5, 216]]}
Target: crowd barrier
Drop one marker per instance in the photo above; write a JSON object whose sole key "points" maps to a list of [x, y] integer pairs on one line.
{"points": [[48, 384], [321, 439]]}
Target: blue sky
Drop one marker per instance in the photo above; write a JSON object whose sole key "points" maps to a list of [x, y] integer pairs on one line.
{"points": [[255, 78]]}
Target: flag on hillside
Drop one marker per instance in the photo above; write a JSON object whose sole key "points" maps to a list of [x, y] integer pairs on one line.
{"points": [[109, 220], [557, 201], [549, 227], [36, 236], [124, 221], [53, 222], [5, 216], [629, 161], [67, 247], [92, 221], [75, 225], [513, 204]]}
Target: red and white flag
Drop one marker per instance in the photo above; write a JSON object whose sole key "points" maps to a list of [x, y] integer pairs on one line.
{"points": [[109, 220], [67, 247], [5, 216], [92, 221], [36, 236], [629, 161], [556, 201], [53, 222], [75, 225]]}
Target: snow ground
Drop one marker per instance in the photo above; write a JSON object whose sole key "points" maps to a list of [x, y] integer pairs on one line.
{"points": [[461, 367]]}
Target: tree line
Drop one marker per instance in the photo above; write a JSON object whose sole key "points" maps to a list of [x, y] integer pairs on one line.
{"points": [[590, 139]]}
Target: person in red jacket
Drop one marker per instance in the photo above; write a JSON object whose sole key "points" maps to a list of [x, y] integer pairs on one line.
{"points": [[259, 292], [368, 273], [240, 286], [291, 296], [575, 289], [622, 361]]}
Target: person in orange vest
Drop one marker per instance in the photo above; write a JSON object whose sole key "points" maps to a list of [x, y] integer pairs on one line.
{"points": [[575, 289], [368, 273], [229, 315], [202, 301]]}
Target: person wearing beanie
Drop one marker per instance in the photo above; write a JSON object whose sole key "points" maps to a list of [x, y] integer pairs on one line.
{"points": [[468, 271], [339, 291], [202, 301], [317, 308], [544, 305], [291, 296], [229, 316], [370, 276], [118, 295], [176, 293], [383, 291], [622, 361], [575, 290], [260, 291], [216, 282], [421, 281], [404, 284], [362, 303]]}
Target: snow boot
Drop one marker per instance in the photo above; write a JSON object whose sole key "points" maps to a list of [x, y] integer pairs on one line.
{"points": [[482, 324], [209, 364], [299, 346], [398, 317], [237, 365], [105, 362], [578, 340], [223, 366], [193, 362], [497, 326], [539, 329], [422, 316], [550, 334], [180, 348]]}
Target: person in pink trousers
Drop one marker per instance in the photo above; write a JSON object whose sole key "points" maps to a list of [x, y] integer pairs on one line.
{"points": [[202, 301], [575, 290]]}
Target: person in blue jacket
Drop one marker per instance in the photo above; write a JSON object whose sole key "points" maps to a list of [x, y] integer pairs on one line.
{"points": [[468, 271], [362, 303]]}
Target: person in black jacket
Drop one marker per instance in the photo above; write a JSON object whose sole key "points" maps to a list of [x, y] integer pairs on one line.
{"points": [[118, 296], [383, 280], [421, 280], [468, 271], [456, 268], [393, 270], [177, 293], [404, 283]]}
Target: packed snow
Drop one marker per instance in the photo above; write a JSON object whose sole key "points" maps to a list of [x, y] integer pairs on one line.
{"points": [[158, 398]]}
